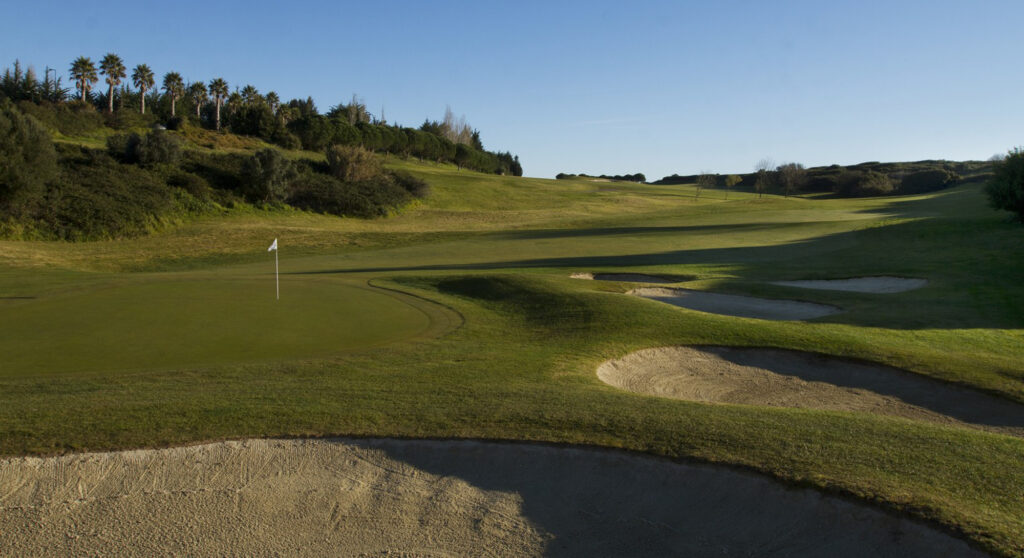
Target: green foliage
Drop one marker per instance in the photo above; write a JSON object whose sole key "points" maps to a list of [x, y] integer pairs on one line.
{"points": [[1006, 187], [266, 174], [70, 119], [856, 183], [158, 146], [927, 181], [99, 198], [352, 164], [27, 161]]}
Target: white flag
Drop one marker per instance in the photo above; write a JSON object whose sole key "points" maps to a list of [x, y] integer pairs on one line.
{"points": [[273, 246]]}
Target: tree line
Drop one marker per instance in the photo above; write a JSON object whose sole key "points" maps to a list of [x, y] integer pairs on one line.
{"points": [[294, 124], [637, 177], [865, 179]]}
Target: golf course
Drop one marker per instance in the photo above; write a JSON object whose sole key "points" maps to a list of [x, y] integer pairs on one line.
{"points": [[518, 315]]}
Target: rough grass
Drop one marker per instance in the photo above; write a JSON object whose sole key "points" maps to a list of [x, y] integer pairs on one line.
{"points": [[498, 251]]}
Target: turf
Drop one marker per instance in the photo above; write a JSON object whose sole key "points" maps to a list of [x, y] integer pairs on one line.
{"points": [[191, 345]]}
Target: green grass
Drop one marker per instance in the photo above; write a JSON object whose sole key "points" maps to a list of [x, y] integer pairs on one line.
{"points": [[175, 338]]}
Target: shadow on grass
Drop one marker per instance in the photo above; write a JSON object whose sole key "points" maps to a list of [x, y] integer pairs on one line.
{"points": [[968, 259]]}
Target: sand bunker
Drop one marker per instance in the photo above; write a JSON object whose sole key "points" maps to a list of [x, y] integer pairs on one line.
{"points": [[427, 498], [860, 284], [793, 379], [735, 305], [630, 277]]}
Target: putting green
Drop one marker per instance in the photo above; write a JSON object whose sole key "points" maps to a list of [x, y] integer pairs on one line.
{"points": [[171, 323]]}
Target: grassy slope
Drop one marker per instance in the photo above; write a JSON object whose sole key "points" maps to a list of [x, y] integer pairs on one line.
{"points": [[498, 250]]}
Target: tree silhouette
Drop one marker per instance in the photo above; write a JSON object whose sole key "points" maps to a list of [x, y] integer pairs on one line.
{"points": [[219, 90], [83, 71], [113, 67], [142, 77], [175, 88]]}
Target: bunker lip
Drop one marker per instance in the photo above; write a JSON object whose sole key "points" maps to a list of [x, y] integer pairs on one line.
{"points": [[632, 277], [428, 497], [737, 305], [877, 284], [783, 378]]}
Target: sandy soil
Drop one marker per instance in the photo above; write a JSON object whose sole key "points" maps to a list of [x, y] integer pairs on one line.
{"points": [[860, 284], [735, 305], [628, 277], [426, 498], [794, 379]]}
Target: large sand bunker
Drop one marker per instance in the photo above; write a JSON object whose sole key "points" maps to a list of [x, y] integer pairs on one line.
{"points": [[427, 498], [736, 305], [793, 379], [880, 284]]}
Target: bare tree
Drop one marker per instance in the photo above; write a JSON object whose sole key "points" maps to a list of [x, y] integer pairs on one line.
{"points": [[456, 129], [765, 176], [791, 177], [705, 180]]}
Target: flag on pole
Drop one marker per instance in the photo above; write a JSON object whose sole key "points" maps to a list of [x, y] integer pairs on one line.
{"points": [[277, 276], [273, 246]]}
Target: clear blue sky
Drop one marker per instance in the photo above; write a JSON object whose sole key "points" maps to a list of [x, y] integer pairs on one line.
{"points": [[597, 87]]}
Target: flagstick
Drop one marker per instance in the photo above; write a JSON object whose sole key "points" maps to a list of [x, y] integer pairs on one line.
{"points": [[277, 277]]}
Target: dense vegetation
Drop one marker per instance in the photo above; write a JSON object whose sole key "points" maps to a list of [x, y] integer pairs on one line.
{"points": [[638, 177], [864, 179], [186, 149], [1006, 188]]}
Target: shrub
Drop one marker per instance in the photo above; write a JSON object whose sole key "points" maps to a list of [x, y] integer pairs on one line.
{"points": [[417, 187], [855, 183], [1006, 187], [927, 181], [265, 176], [352, 163], [99, 198], [368, 198], [28, 161], [158, 146]]}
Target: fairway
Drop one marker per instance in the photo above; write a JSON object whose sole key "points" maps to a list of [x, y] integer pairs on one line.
{"points": [[166, 322], [460, 318]]}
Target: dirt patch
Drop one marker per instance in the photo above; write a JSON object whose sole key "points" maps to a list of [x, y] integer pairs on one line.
{"points": [[631, 277], [793, 379], [860, 284], [427, 498], [736, 305]]}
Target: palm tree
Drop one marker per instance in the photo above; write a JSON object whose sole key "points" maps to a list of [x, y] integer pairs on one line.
{"points": [[113, 68], [83, 71], [198, 93], [219, 90], [273, 101], [142, 77], [250, 95], [175, 87]]}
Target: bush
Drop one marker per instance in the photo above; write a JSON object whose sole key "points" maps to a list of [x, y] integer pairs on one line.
{"points": [[352, 163], [368, 198], [1006, 187], [855, 183], [927, 181], [99, 198], [417, 187], [28, 161], [266, 175], [158, 146], [70, 119]]}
